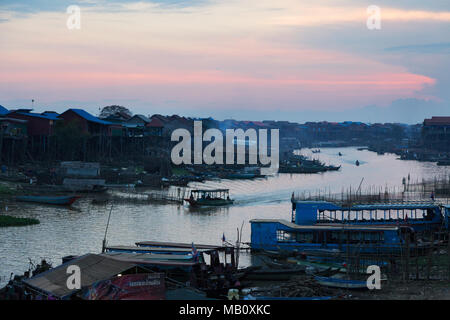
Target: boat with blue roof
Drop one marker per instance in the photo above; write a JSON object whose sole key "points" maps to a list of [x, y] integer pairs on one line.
{"points": [[369, 229]]}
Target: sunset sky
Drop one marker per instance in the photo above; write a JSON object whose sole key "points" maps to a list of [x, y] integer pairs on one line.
{"points": [[243, 59]]}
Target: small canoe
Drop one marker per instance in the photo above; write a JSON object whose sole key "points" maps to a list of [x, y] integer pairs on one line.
{"points": [[319, 266], [341, 283], [58, 200], [273, 274]]}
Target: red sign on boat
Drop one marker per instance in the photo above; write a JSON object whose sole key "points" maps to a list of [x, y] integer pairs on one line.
{"points": [[143, 286]]}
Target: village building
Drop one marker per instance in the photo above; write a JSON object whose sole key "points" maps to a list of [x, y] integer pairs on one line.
{"points": [[436, 133], [89, 123]]}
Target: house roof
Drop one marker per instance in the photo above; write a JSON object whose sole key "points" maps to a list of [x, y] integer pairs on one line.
{"points": [[3, 110], [93, 268], [89, 117], [437, 121], [48, 116], [156, 123], [140, 116]]}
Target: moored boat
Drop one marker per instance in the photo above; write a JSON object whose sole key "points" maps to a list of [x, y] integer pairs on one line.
{"points": [[335, 282], [274, 274], [56, 200]]}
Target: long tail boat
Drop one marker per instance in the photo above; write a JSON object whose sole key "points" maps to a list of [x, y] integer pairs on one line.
{"points": [[57, 200]]}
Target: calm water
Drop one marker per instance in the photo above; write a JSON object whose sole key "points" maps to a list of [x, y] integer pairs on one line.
{"points": [[80, 230]]}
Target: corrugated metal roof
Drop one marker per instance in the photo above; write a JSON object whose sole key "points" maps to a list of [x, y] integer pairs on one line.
{"points": [[93, 268], [176, 245], [155, 122], [38, 115], [140, 116], [146, 259], [3, 110], [89, 117], [437, 121], [394, 206], [324, 226], [325, 205]]}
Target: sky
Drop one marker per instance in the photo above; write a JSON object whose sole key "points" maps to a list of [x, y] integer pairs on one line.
{"points": [[244, 59]]}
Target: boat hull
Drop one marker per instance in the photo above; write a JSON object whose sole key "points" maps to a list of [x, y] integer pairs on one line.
{"points": [[341, 283], [57, 200], [209, 203]]}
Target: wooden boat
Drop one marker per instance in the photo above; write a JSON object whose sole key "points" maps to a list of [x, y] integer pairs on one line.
{"points": [[52, 189], [280, 254], [341, 283], [150, 256], [216, 197], [238, 176], [169, 245], [57, 200], [333, 168], [319, 266], [273, 274]]}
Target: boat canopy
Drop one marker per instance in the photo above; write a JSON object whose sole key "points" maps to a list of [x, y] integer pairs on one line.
{"points": [[210, 190], [331, 226], [211, 193], [312, 212], [93, 268]]}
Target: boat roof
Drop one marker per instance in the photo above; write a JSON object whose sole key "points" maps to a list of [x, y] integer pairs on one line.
{"points": [[156, 249], [93, 268], [327, 226], [143, 258], [325, 205], [177, 245], [210, 190]]}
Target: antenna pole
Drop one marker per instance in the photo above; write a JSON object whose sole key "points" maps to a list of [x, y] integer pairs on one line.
{"points": [[106, 230]]}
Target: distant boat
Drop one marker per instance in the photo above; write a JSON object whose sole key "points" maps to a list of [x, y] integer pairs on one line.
{"points": [[239, 176], [58, 200], [216, 197], [333, 168]]}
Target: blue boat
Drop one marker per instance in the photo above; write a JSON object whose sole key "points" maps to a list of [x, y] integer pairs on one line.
{"points": [[418, 216], [324, 226], [278, 234], [57, 200], [334, 282]]}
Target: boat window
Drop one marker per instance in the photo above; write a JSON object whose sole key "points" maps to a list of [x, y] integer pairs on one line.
{"points": [[285, 236]]}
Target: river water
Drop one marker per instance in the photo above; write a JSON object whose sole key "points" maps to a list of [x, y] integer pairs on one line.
{"points": [[80, 230]]}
